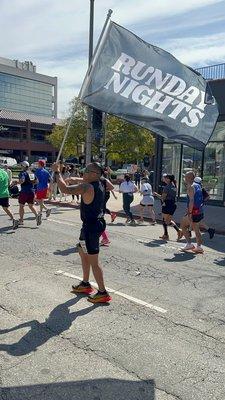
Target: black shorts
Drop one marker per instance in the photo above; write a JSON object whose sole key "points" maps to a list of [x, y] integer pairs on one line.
{"points": [[4, 202], [89, 236], [197, 218], [169, 208]]}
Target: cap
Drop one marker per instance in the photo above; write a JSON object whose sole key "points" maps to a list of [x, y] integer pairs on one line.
{"points": [[198, 179], [41, 162], [25, 164]]}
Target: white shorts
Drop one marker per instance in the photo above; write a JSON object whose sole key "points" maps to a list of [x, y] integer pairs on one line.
{"points": [[147, 201]]}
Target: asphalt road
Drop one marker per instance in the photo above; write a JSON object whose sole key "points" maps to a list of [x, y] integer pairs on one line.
{"points": [[161, 338]]}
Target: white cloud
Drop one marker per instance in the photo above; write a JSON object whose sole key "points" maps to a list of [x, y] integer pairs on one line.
{"points": [[199, 51]]}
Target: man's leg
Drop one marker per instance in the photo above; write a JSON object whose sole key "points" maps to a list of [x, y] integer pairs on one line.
{"points": [[196, 228], [21, 213], [97, 271], [86, 266], [8, 212], [185, 224], [42, 205], [33, 209]]}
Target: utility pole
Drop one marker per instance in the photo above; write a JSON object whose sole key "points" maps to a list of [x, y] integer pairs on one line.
{"points": [[89, 109]]}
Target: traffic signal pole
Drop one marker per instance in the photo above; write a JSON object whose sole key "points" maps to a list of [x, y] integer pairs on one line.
{"points": [[89, 109]]}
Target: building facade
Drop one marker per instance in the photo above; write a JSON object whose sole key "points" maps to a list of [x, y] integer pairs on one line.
{"points": [[28, 111], [208, 164]]}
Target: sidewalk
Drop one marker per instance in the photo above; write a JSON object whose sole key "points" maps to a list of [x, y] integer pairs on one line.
{"points": [[214, 216]]}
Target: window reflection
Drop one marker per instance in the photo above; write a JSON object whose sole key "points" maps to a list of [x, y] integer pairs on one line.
{"points": [[214, 170], [191, 161], [25, 95]]}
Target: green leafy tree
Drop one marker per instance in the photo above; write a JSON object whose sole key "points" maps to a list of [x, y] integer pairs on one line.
{"points": [[127, 142], [76, 134], [124, 141]]}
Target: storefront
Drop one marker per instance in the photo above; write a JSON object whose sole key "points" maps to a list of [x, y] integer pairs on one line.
{"points": [[210, 164]]}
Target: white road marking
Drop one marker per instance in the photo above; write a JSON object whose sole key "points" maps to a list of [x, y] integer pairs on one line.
{"points": [[116, 292], [61, 222]]}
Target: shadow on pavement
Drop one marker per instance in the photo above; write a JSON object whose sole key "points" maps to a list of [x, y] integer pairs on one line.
{"points": [[154, 243], [92, 389], [221, 263], [59, 320], [217, 243], [66, 252], [180, 257], [6, 230]]}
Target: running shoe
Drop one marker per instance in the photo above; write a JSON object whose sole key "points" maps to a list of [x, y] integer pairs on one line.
{"points": [[133, 223], [105, 243], [164, 237], [48, 212], [198, 250], [82, 287], [211, 232], [113, 216], [187, 247], [15, 224], [20, 222], [39, 219], [100, 297]]}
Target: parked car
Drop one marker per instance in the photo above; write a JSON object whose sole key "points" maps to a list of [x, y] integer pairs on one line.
{"points": [[9, 161]]}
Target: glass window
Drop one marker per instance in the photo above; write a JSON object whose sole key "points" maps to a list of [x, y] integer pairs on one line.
{"points": [[171, 159], [191, 161], [214, 170], [25, 95], [219, 132]]}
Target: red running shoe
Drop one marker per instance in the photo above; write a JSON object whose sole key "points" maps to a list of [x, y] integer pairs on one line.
{"points": [[82, 287], [100, 297]]}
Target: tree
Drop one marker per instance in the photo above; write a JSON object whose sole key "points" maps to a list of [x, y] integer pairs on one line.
{"points": [[124, 141], [76, 134]]}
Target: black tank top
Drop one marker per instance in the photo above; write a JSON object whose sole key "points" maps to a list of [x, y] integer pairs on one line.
{"points": [[95, 210]]}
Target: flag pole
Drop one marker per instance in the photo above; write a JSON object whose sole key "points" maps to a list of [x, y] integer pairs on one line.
{"points": [[76, 104]]}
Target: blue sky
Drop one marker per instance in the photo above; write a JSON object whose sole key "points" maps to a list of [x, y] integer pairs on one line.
{"points": [[54, 33]]}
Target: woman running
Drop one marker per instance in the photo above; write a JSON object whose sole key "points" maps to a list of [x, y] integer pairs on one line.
{"points": [[128, 188], [168, 198], [147, 200]]}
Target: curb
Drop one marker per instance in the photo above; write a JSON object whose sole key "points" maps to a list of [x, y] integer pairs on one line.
{"points": [[119, 213]]}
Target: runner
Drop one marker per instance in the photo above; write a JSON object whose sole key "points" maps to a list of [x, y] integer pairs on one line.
{"points": [[27, 180], [137, 178], [194, 213], [206, 196], [147, 200], [128, 188], [43, 179], [92, 215], [108, 186], [4, 196], [168, 198]]}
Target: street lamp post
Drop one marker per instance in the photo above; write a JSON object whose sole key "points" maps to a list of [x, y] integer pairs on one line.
{"points": [[89, 109]]}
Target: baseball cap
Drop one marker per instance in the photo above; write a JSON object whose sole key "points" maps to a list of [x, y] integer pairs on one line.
{"points": [[25, 164], [198, 179], [41, 162]]}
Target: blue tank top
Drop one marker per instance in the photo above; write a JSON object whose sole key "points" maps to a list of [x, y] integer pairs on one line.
{"points": [[198, 199]]}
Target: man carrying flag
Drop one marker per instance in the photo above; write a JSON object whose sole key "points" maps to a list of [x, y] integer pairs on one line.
{"points": [[92, 194]]}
